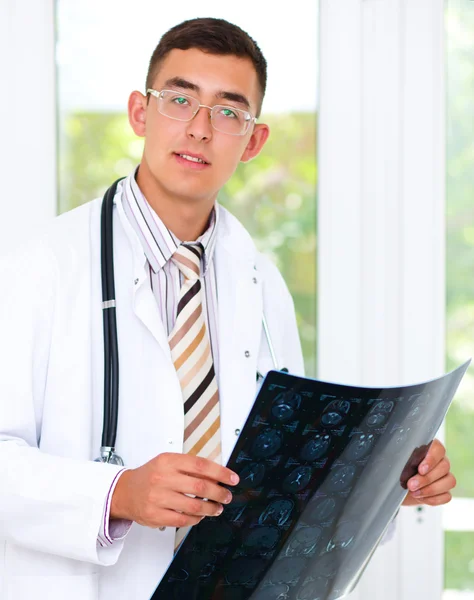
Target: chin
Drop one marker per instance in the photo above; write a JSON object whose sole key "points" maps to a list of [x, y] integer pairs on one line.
{"points": [[190, 194]]}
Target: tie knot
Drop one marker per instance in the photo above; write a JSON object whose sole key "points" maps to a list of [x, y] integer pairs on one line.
{"points": [[187, 258]]}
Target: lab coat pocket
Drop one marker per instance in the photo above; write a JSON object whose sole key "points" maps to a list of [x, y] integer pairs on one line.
{"points": [[52, 587]]}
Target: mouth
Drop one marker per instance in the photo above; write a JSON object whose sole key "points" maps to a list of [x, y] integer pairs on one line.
{"points": [[194, 160]]}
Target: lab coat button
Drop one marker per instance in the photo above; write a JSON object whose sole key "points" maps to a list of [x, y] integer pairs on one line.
{"points": [[161, 528], [255, 280], [237, 432], [247, 353], [136, 281], [170, 441]]}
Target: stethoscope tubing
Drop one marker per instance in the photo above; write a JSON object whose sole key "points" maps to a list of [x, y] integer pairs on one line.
{"points": [[111, 355]]}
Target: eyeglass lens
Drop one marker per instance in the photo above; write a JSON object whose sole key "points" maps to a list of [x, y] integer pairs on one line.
{"points": [[183, 108]]}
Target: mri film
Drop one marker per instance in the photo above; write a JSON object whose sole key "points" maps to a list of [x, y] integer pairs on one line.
{"points": [[323, 470]]}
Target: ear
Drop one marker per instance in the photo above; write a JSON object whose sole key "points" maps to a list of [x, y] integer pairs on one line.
{"points": [[137, 105], [256, 142]]}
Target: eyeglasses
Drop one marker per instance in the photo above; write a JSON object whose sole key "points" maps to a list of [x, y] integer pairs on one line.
{"points": [[182, 107]]}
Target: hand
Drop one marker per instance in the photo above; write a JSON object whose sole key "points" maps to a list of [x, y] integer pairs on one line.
{"points": [[434, 481], [154, 494]]}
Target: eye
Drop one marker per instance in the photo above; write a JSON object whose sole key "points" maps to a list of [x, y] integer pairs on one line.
{"points": [[227, 112], [180, 100]]}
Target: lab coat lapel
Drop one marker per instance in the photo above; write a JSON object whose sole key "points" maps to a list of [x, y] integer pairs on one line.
{"points": [[144, 302], [240, 317], [146, 309]]}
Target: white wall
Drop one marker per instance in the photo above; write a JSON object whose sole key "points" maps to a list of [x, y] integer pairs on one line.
{"points": [[27, 107], [381, 230]]}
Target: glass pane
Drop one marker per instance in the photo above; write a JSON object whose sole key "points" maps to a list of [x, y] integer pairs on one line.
{"points": [[274, 195], [459, 548], [460, 277]]}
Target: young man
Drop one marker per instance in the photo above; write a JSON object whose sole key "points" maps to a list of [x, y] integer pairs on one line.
{"points": [[191, 293]]}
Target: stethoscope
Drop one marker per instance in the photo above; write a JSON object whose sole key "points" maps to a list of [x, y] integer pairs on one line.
{"points": [[111, 358]]}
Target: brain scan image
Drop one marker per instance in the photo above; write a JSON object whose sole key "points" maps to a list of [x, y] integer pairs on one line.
{"points": [[267, 443], [316, 447], [415, 414], [384, 406], [277, 512], [220, 536], [344, 535], [245, 570], [201, 563], [285, 406], [260, 539], [327, 565], [401, 436], [303, 542], [419, 399], [320, 510], [335, 413], [272, 592], [322, 467], [252, 475], [235, 510], [287, 570], [341, 478], [179, 574], [361, 445], [297, 480], [313, 590], [380, 413]]}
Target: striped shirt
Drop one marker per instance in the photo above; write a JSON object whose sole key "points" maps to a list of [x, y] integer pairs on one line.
{"points": [[159, 243]]}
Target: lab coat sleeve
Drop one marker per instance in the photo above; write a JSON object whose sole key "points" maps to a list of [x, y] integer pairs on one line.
{"points": [[116, 529], [48, 503]]}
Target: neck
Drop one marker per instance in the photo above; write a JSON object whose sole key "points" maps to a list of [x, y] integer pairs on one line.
{"points": [[186, 218]]}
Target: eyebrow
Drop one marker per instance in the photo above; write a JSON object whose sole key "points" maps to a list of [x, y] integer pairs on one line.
{"points": [[184, 84]]}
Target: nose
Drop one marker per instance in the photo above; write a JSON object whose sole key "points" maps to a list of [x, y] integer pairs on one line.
{"points": [[200, 128]]}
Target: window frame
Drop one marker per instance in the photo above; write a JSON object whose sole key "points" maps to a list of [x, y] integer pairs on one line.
{"points": [[381, 247]]}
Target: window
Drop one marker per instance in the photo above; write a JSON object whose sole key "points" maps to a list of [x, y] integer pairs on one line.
{"points": [[274, 195], [459, 515]]}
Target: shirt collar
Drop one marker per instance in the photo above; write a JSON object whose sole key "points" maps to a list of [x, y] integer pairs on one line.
{"points": [[158, 242]]}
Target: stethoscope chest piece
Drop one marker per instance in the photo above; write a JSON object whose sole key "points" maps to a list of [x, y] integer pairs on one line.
{"points": [[108, 455]]}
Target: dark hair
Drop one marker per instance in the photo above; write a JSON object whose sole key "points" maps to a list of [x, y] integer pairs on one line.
{"points": [[214, 36]]}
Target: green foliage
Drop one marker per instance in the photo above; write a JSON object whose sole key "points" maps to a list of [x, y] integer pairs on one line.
{"points": [[460, 235], [459, 562], [460, 272], [274, 195]]}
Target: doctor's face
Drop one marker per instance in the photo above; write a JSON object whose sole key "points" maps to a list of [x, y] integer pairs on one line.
{"points": [[211, 80]]}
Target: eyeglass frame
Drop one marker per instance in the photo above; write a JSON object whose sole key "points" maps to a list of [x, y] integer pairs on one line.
{"points": [[157, 93]]}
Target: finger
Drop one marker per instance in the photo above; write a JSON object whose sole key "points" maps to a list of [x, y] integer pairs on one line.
{"points": [[202, 467], [441, 486], [171, 518], [421, 481], [194, 506], [435, 455], [436, 500], [202, 488]]}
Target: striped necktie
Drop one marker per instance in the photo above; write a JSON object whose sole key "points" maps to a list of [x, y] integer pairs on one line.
{"points": [[192, 358]]}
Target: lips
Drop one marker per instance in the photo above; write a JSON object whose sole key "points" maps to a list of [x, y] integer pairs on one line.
{"points": [[192, 157]]}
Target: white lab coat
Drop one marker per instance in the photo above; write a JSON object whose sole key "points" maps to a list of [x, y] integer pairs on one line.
{"points": [[52, 494]]}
